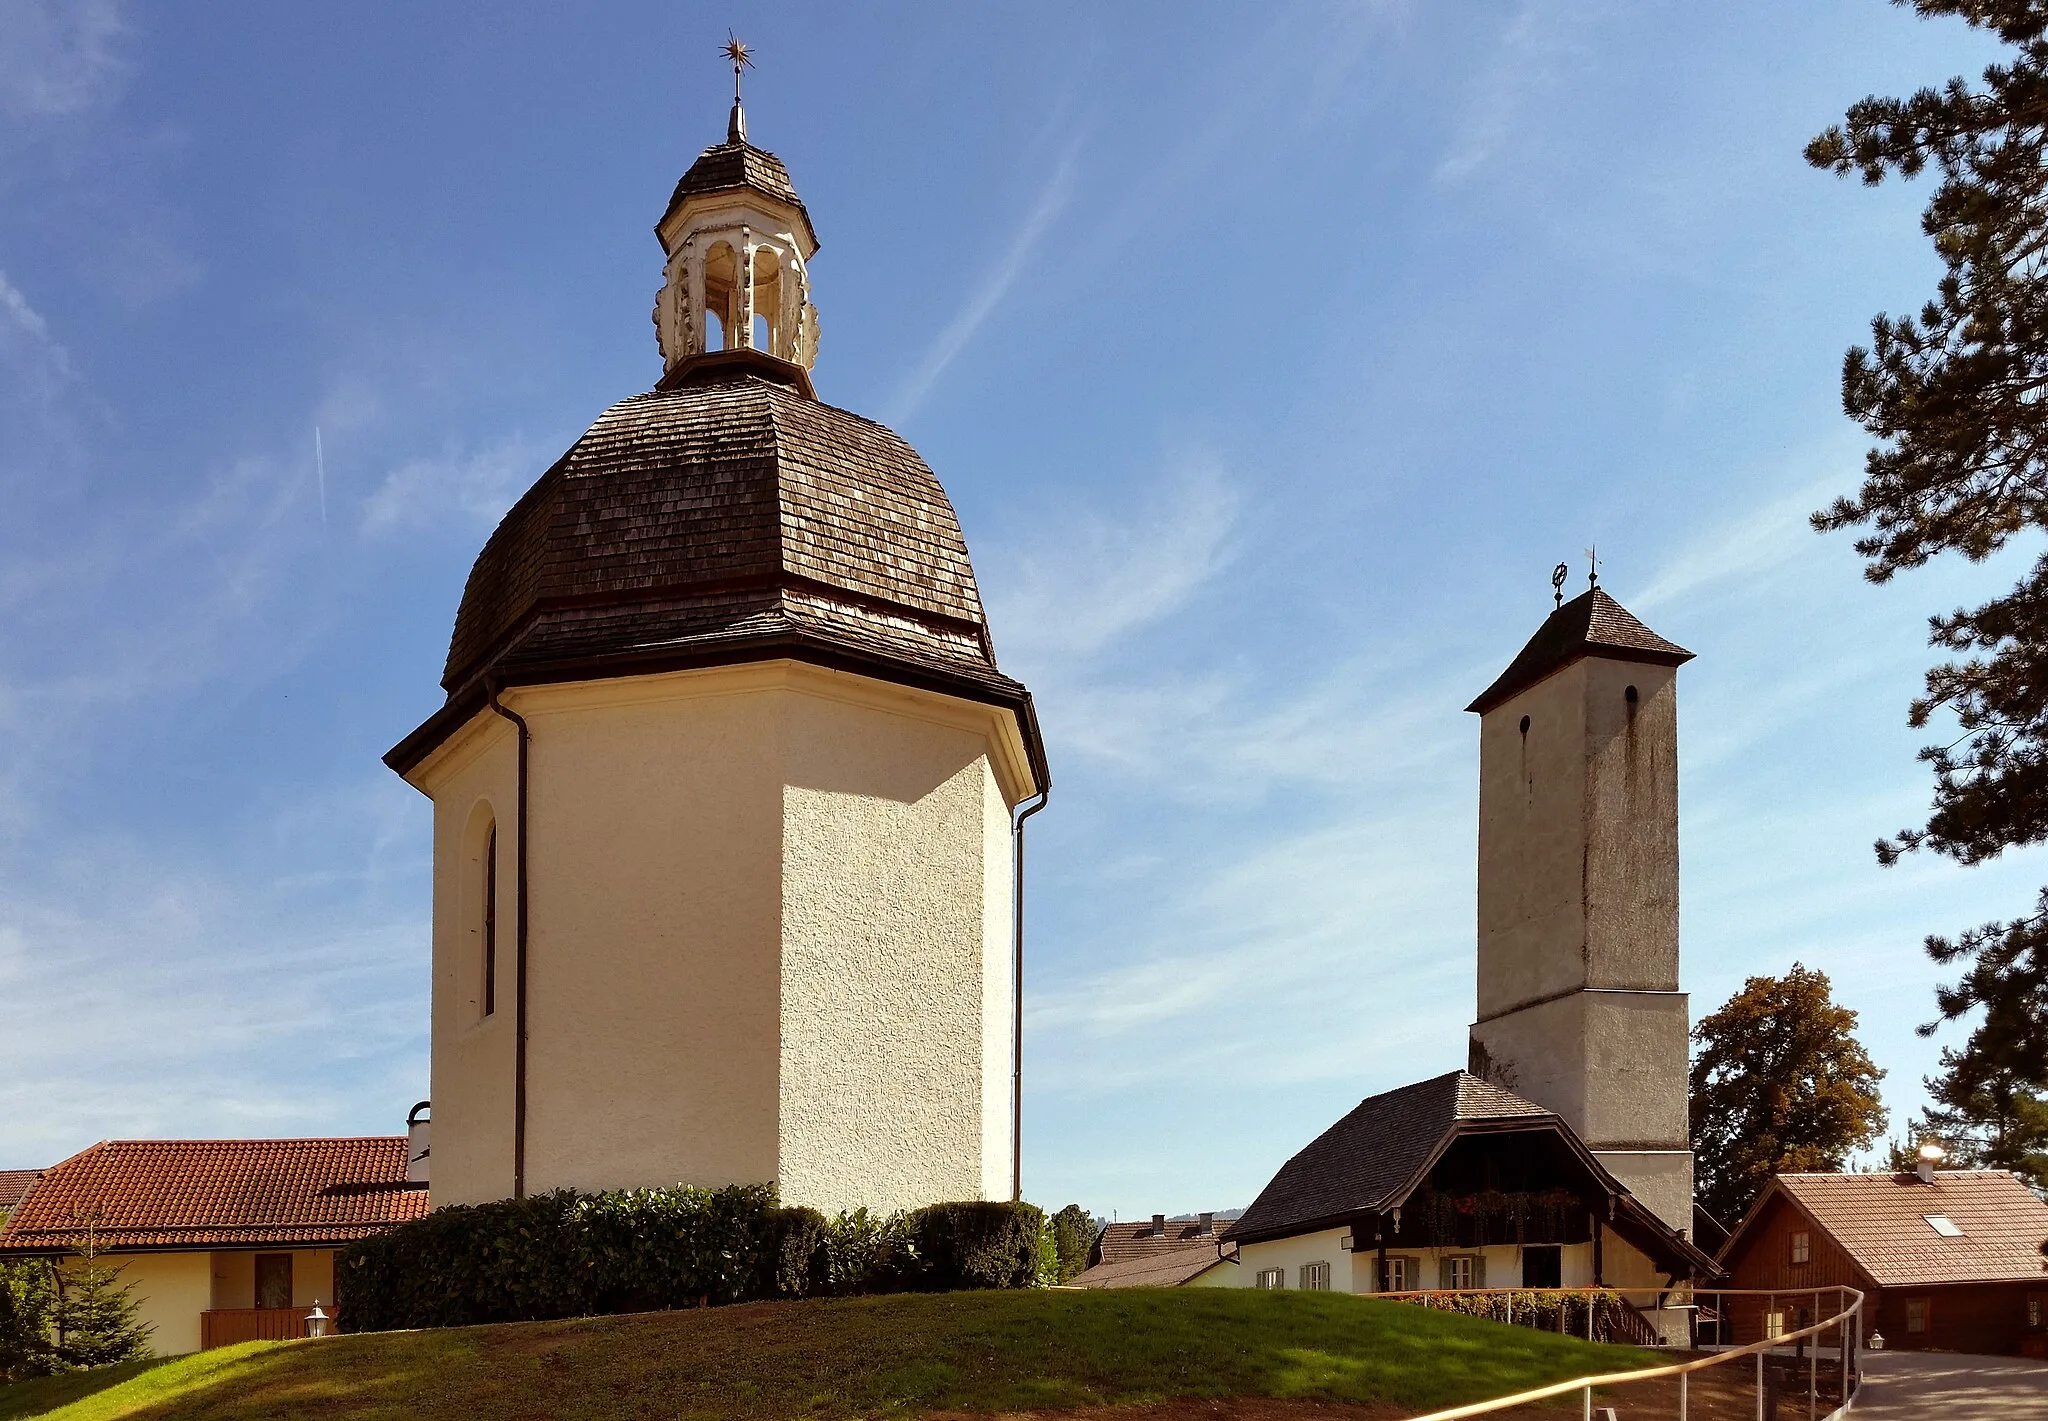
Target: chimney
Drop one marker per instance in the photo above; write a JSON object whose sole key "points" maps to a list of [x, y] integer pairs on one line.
{"points": [[1208, 1225], [416, 1151], [1159, 1226], [1931, 1155]]}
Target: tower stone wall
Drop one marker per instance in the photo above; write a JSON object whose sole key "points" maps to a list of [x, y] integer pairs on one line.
{"points": [[1579, 1003]]}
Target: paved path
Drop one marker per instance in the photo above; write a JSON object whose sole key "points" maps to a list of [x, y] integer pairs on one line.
{"points": [[1935, 1384]]}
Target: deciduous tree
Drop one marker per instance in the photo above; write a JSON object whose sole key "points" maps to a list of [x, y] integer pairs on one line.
{"points": [[1957, 397], [1780, 1084]]}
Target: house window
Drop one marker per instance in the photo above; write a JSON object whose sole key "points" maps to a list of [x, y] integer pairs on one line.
{"points": [[491, 921], [2034, 1312], [1916, 1314], [1802, 1247], [1774, 1323], [273, 1280], [1459, 1272], [1542, 1266], [1315, 1277], [1398, 1276], [1272, 1278]]}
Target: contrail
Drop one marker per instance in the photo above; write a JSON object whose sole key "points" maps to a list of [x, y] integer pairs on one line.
{"points": [[320, 469]]}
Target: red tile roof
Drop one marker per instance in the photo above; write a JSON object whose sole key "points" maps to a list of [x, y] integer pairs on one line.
{"points": [[1880, 1220], [217, 1193], [13, 1184]]}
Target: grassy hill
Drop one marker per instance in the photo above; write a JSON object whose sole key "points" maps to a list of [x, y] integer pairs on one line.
{"points": [[856, 1357]]}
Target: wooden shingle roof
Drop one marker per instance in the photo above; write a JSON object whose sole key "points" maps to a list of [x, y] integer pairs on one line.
{"points": [[156, 1194], [1163, 1268], [1591, 624], [725, 516], [725, 166], [1881, 1222], [1370, 1159]]}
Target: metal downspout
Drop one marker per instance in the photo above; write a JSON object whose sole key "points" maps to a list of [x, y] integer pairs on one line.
{"points": [[1017, 1003], [519, 971]]}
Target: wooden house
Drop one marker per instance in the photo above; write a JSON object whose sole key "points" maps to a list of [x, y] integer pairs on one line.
{"points": [[1947, 1260]]}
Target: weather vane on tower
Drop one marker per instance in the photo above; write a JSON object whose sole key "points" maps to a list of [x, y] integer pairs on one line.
{"points": [[742, 58]]}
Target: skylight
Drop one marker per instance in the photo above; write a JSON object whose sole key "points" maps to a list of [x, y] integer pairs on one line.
{"points": [[1943, 1225]]}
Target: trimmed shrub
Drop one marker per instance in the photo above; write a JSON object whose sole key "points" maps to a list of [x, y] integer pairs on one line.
{"points": [[638, 1250], [976, 1244]]}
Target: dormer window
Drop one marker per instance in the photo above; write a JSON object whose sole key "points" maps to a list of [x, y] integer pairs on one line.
{"points": [[1943, 1225]]}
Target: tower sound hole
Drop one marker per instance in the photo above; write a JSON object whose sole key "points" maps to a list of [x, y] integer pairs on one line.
{"points": [[1630, 695]]}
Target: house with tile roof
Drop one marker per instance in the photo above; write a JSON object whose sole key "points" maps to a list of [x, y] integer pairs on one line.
{"points": [[1948, 1260], [14, 1184], [223, 1240], [1155, 1253]]}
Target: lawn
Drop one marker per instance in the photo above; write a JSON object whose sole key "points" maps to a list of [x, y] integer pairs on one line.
{"points": [[864, 1357]]}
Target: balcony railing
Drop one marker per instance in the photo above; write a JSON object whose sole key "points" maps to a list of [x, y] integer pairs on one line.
{"points": [[220, 1326]]}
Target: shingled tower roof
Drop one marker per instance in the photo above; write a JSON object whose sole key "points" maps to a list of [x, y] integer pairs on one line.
{"points": [[737, 164], [726, 516], [1591, 624]]}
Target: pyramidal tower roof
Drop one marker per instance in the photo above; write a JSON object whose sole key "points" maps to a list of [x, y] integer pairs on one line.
{"points": [[1591, 624]]}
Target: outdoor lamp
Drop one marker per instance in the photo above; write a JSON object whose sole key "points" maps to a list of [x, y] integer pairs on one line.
{"points": [[316, 1321]]}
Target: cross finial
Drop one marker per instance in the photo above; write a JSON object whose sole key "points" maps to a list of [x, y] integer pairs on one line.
{"points": [[1593, 566], [742, 59]]}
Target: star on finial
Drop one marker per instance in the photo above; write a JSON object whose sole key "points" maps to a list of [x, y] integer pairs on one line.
{"points": [[1557, 577], [741, 57]]}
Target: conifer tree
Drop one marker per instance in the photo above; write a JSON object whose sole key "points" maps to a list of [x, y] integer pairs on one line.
{"points": [[1955, 397], [94, 1315], [1780, 1085], [1984, 1121]]}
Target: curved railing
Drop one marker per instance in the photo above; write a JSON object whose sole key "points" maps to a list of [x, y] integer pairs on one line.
{"points": [[1848, 1319]]}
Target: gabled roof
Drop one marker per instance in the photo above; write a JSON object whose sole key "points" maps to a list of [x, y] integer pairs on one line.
{"points": [[1591, 624], [1135, 1239], [13, 1184], [1163, 1268], [1369, 1161], [725, 166], [156, 1194], [1880, 1221]]}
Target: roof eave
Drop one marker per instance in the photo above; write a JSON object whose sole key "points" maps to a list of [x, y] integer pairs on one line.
{"points": [[463, 703], [1507, 688]]}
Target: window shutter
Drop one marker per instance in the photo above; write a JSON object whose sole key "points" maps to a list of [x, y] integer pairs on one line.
{"points": [[1443, 1273], [1479, 1270]]}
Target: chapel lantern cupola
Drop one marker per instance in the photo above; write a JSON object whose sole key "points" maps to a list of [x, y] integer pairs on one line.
{"points": [[738, 243]]}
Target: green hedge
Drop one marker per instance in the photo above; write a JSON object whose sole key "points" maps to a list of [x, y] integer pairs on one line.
{"points": [[635, 1250]]}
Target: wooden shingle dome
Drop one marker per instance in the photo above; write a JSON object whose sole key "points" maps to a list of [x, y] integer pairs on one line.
{"points": [[725, 516]]}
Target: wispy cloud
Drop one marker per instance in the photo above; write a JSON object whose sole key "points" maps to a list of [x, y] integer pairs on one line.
{"points": [[59, 57], [1108, 574], [1528, 58], [1053, 197], [473, 487]]}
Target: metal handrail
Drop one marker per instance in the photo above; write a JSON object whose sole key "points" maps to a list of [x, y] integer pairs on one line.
{"points": [[1676, 1369]]}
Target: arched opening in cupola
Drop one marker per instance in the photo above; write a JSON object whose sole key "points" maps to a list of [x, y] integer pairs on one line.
{"points": [[721, 295], [767, 332]]}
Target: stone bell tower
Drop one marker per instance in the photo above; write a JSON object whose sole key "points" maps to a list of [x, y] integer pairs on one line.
{"points": [[1579, 1002], [723, 782]]}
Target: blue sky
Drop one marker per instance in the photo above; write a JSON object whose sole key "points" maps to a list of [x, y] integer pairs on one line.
{"points": [[1271, 354]]}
